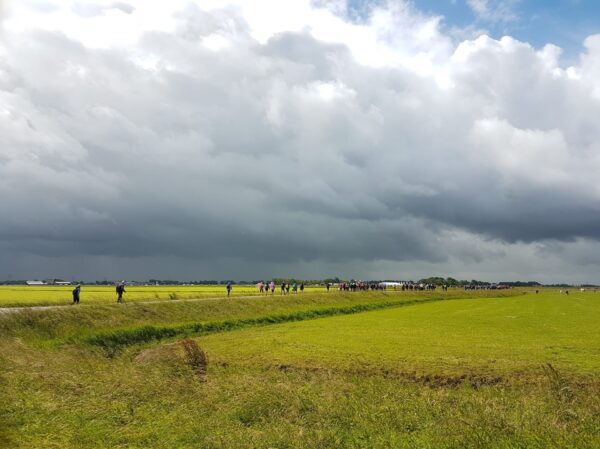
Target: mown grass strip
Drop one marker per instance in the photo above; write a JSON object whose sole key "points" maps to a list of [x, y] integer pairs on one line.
{"points": [[114, 340]]}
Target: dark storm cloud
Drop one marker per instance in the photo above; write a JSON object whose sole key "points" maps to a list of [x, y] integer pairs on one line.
{"points": [[288, 152]]}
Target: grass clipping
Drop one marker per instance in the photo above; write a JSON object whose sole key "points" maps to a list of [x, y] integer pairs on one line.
{"points": [[195, 357]]}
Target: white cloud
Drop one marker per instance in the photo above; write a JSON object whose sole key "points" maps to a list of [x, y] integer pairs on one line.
{"points": [[494, 10]]}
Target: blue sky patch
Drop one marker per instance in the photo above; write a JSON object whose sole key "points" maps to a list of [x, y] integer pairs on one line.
{"points": [[565, 23]]}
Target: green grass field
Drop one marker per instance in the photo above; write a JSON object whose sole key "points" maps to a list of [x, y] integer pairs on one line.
{"points": [[377, 370], [25, 295], [496, 335]]}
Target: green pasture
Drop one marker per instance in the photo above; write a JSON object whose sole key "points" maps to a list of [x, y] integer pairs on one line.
{"points": [[461, 337], [454, 369], [34, 295]]}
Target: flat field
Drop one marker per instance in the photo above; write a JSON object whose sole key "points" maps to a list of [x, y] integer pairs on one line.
{"points": [[378, 370], [492, 336], [25, 295]]}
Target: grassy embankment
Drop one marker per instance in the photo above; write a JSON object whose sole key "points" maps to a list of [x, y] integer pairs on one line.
{"points": [[516, 372]]}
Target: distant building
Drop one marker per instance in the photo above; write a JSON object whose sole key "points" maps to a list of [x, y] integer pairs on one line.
{"points": [[49, 282], [390, 284]]}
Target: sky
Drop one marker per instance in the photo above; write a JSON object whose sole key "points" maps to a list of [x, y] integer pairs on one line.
{"points": [[565, 23], [226, 139]]}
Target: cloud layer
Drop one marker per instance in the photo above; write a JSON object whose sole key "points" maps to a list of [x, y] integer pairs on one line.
{"points": [[210, 139]]}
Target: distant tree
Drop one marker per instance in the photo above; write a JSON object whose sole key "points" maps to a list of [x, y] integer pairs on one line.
{"points": [[435, 280], [451, 282]]}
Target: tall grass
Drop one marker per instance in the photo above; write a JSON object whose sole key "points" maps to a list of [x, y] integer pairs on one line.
{"points": [[302, 384]]}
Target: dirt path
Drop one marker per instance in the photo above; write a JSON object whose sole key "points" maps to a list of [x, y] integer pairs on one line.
{"points": [[7, 310]]}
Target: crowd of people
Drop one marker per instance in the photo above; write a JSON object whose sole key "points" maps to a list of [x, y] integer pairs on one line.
{"points": [[286, 288], [486, 287], [354, 286]]}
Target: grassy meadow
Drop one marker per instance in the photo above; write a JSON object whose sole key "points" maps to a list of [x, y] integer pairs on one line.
{"points": [[492, 336], [456, 369]]}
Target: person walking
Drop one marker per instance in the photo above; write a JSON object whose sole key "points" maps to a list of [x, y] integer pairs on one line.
{"points": [[302, 287], [272, 286], [120, 291], [76, 294], [294, 288], [229, 287]]}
